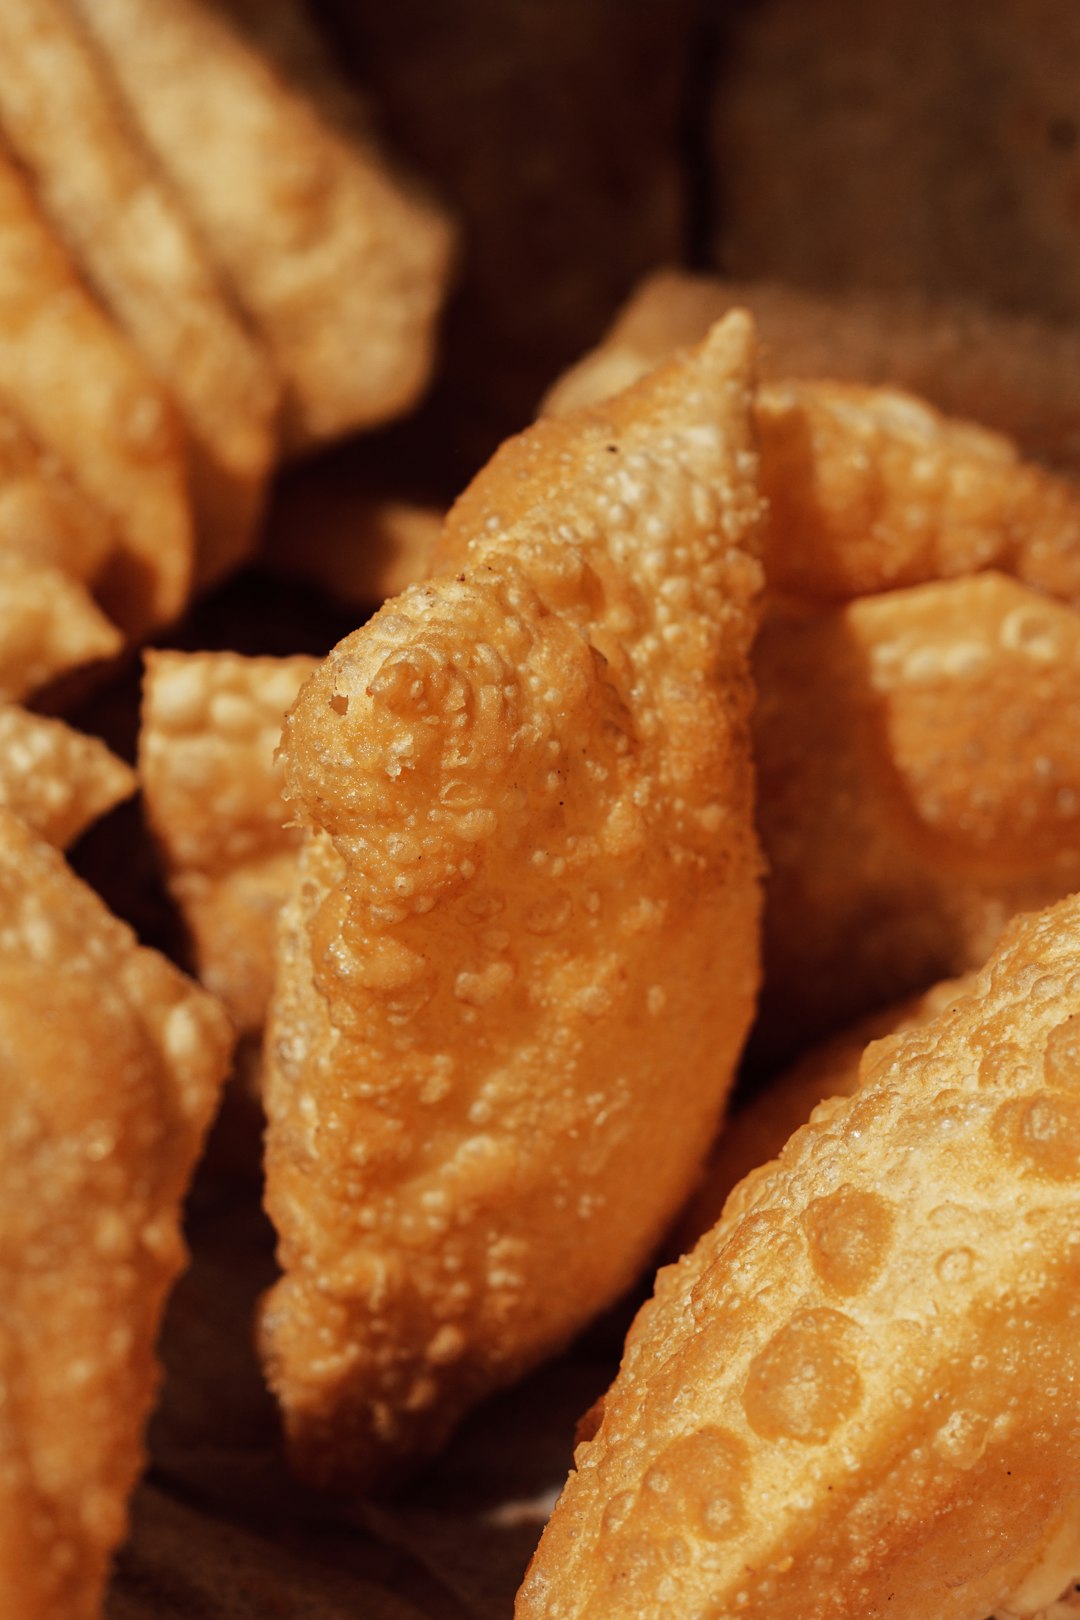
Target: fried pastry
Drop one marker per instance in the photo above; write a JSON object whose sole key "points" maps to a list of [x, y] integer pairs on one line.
{"points": [[854, 1397], [211, 724], [56, 780], [110, 1064], [919, 783], [1014, 373], [105, 417], [49, 624], [134, 245], [755, 1132], [526, 921], [338, 265], [42, 516], [871, 488]]}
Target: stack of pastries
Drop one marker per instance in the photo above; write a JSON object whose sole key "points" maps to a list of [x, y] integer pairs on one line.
{"points": [[722, 733]]}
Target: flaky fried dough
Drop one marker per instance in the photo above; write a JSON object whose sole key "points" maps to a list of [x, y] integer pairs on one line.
{"points": [[56, 780], [526, 917], [135, 246], [856, 1396], [871, 488], [48, 625], [339, 266], [1013, 373], [42, 516], [211, 724], [919, 782], [756, 1131], [110, 1063], [85, 393]]}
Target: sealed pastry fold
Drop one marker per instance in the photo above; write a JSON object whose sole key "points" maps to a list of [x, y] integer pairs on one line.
{"points": [[1014, 373], [919, 784], [110, 1067], [211, 781], [526, 921], [49, 624], [339, 266], [855, 1395], [106, 418], [135, 248], [54, 779]]}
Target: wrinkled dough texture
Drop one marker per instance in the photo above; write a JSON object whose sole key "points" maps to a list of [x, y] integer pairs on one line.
{"points": [[339, 264], [54, 779], [211, 724], [527, 912], [856, 1396], [1015, 373], [110, 1064], [871, 488], [919, 784]]}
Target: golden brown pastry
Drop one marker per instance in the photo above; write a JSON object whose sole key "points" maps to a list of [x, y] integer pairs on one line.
{"points": [[1014, 373], [854, 1397], [125, 229], [84, 393], [338, 265], [755, 1132], [526, 920], [49, 624], [56, 780], [919, 783], [42, 516], [110, 1065], [868, 488], [211, 724]]}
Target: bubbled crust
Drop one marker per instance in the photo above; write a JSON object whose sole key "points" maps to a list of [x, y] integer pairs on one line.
{"points": [[49, 624], [107, 419], [527, 914], [110, 1064], [339, 264], [919, 778], [211, 780], [871, 488], [857, 1396], [756, 1131], [54, 779]]}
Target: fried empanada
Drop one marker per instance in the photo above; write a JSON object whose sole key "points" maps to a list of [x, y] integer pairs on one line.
{"points": [[85, 393], [871, 488], [918, 760], [42, 516], [855, 1396], [56, 780], [211, 724], [110, 1066], [517, 972], [49, 624], [755, 1131], [1013, 373], [339, 266], [134, 245]]}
